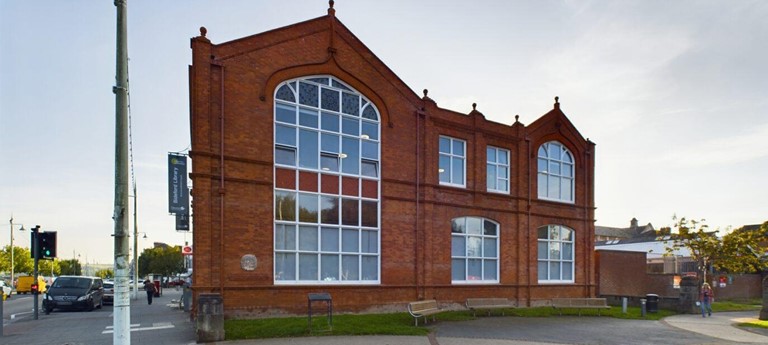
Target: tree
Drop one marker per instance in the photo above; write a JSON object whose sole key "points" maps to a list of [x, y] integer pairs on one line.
{"points": [[703, 244], [105, 273], [740, 251], [22, 262], [70, 267], [49, 267], [166, 261], [744, 250]]}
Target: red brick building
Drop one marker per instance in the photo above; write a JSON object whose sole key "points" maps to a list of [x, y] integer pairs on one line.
{"points": [[315, 168]]}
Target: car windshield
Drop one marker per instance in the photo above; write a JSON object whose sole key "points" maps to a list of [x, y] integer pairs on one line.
{"points": [[79, 283]]}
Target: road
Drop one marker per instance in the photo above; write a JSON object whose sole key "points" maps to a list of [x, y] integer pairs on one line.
{"points": [[18, 307], [159, 323]]}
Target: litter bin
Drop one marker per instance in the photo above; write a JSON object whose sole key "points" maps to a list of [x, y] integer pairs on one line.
{"points": [[652, 303]]}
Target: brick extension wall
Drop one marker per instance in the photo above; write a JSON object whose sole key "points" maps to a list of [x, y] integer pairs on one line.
{"points": [[623, 274]]}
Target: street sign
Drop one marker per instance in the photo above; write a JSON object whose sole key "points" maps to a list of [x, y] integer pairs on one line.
{"points": [[186, 250], [182, 221], [178, 192]]}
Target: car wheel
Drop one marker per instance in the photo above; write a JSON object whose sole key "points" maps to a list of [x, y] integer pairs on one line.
{"points": [[91, 306], [48, 310]]}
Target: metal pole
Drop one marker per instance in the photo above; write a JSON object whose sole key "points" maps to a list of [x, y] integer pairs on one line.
{"points": [[12, 285], [122, 303], [36, 253], [135, 247]]}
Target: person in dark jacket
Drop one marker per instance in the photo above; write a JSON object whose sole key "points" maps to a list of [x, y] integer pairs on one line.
{"points": [[150, 288]]}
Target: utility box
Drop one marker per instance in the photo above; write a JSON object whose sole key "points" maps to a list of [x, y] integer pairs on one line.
{"points": [[210, 318]]}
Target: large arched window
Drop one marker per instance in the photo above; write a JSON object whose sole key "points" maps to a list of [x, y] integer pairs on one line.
{"points": [[555, 172], [327, 173], [555, 254], [474, 250]]}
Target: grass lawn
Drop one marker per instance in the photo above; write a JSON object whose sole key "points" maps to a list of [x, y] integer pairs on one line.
{"points": [[736, 305], [395, 323], [755, 324]]}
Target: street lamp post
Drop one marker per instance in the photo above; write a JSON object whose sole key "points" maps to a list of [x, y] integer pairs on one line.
{"points": [[12, 261]]}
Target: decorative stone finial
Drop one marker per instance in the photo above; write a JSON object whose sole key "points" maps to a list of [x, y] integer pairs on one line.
{"points": [[557, 100], [331, 11], [517, 118], [203, 31], [330, 3], [474, 106], [426, 92]]}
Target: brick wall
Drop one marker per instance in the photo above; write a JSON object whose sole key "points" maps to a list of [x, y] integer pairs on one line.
{"points": [[232, 84], [623, 274]]}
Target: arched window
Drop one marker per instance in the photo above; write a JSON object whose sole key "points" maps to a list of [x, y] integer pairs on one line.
{"points": [[474, 250], [556, 170], [555, 254], [327, 174]]}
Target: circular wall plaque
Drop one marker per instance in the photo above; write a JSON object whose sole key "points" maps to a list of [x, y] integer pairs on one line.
{"points": [[248, 262]]}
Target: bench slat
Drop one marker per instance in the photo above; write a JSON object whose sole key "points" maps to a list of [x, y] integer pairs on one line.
{"points": [[423, 309], [487, 303], [580, 303]]}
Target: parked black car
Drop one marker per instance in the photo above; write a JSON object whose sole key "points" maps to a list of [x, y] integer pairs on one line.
{"points": [[74, 292]]}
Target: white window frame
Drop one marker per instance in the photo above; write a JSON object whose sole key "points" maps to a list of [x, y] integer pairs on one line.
{"points": [[496, 165], [548, 259], [559, 177], [295, 250], [465, 258], [452, 157]]}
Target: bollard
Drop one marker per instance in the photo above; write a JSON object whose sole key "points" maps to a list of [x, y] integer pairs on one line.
{"points": [[642, 307], [623, 305], [186, 299], [210, 318]]}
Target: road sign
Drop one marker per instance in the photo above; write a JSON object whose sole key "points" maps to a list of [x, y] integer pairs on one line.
{"points": [[186, 250]]}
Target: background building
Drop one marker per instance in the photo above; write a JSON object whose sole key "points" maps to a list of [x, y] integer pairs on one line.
{"points": [[315, 168]]}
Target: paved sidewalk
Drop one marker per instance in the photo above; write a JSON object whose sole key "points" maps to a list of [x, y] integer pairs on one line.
{"points": [[719, 325]]}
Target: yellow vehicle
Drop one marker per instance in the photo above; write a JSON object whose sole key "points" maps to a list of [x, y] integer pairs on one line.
{"points": [[24, 284]]}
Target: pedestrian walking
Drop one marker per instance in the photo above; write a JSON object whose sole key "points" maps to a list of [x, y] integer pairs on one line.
{"points": [[706, 297], [150, 288]]}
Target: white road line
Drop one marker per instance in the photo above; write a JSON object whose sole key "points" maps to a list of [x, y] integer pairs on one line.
{"points": [[132, 325], [155, 326]]}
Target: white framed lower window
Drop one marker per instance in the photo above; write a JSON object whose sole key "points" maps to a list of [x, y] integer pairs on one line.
{"points": [[474, 250], [555, 254]]}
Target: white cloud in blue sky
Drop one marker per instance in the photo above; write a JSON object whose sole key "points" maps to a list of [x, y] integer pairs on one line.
{"points": [[672, 92]]}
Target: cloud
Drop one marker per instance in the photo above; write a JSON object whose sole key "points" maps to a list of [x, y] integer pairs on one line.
{"points": [[736, 148]]}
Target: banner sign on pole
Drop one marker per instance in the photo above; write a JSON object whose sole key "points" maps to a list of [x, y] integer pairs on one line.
{"points": [[178, 192], [182, 221]]}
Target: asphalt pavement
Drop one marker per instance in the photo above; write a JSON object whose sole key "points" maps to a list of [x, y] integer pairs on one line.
{"points": [[160, 323]]}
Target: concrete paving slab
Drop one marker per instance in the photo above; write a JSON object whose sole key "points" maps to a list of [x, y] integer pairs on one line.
{"points": [[720, 326]]}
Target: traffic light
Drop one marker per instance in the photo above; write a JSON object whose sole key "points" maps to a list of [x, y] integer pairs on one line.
{"points": [[47, 244], [35, 288]]}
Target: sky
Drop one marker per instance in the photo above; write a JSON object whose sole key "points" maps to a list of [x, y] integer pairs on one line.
{"points": [[672, 92]]}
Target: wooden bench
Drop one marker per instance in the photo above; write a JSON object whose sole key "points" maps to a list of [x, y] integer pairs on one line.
{"points": [[579, 304], [423, 309], [487, 304]]}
